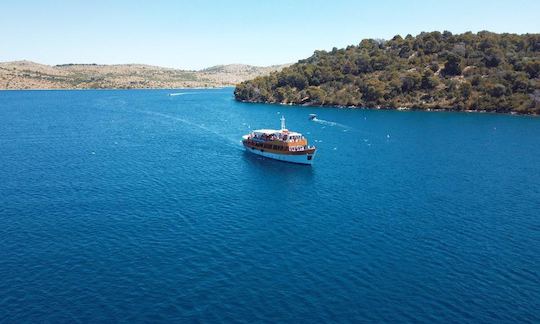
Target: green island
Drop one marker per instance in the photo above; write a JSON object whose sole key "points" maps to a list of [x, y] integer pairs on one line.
{"points": [[485, 72]]}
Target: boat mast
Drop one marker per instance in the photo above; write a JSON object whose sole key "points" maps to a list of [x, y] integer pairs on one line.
{"points": [[283, 123]]}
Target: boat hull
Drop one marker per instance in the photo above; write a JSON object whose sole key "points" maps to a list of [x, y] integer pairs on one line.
{"points": [[306, 159]]}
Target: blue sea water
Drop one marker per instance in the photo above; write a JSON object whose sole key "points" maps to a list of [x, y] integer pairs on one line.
{"points": [[141, 206]]}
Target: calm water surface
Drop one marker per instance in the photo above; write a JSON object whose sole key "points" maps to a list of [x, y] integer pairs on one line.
{"points": [[140, 206]]}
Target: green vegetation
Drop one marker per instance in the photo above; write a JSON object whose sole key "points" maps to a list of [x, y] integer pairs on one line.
{"points": [[482, 72]]}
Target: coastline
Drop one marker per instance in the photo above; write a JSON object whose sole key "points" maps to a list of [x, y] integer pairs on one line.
{"points": [[432, 71], [512, 113], [111, 89], [28, 75]]}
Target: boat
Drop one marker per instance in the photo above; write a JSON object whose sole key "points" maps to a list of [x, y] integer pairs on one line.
{"points": [[312, 116], [282, 145]]}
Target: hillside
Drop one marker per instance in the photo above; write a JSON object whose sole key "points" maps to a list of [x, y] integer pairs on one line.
{"points": [[480, 72], [30, 75]]}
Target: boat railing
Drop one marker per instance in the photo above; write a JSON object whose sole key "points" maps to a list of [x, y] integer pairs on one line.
{"points": [[300, 148], [261, 141]]}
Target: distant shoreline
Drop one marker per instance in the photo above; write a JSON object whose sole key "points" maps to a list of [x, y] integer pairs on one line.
{"points": [[27, 75], [112, 89]]}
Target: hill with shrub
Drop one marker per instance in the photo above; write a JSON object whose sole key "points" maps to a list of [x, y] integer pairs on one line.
{"points": [[19, 75], [479, 72]]}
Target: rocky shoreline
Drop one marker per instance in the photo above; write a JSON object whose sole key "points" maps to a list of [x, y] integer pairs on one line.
{"points": [[392, 108]]}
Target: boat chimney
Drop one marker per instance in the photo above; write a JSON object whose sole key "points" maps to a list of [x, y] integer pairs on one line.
{"points": [[283, 123]]}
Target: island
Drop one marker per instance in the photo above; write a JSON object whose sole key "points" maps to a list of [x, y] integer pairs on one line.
{"points": [[19, 75], [433, 71]]}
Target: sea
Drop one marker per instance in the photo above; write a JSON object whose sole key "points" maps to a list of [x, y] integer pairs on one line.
{"points": [[142, 206]]}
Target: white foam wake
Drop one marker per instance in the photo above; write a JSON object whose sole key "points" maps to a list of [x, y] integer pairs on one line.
{"points": [[235, 143], [329, 123]]}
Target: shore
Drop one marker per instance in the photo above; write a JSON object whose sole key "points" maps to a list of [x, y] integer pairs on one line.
{"points": [[394, 108], [113, 89]]}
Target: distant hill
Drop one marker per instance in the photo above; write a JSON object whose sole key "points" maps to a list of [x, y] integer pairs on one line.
{"points": [[30, 75], [480, 72], [243, 69]]}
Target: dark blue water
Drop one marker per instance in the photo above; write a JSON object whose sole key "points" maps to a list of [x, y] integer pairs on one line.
{"points": [[140, 206]]}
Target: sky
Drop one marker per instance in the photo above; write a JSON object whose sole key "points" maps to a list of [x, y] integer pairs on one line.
{"points": [[198, 34]]}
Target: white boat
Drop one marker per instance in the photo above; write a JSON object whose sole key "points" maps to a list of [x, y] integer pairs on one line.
{"points": [[282, 145]]}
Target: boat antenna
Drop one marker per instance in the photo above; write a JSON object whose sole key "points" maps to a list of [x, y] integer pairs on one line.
{"points": [[283, 123]]}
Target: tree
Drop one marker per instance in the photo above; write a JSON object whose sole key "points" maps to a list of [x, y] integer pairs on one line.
{"points": [[316, 95], [466, 90], [493, 57], [428, 81], [293, 79], [410, 81], [452, 65], [373, 91], [498, 90], [363, 64], [431, 46], [533, 68]]}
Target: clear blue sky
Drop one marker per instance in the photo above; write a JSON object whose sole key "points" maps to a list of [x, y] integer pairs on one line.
{"points": [[197, 34]]}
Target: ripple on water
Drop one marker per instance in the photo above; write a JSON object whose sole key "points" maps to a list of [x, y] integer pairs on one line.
{"points": [[169, 220]]}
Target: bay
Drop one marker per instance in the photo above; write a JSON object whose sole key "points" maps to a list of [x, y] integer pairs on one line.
{"points": [[139, 205]]}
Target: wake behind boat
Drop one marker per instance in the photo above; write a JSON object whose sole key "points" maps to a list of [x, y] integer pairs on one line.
{"points": [[282, 145]]}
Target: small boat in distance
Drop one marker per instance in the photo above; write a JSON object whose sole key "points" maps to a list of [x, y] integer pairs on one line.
{"points": [[312, 116], [282, 145]]}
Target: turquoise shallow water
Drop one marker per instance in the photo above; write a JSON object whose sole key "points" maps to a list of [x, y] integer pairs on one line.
{"points": [[140, 206]]}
